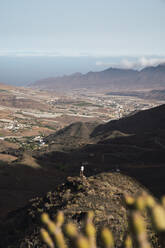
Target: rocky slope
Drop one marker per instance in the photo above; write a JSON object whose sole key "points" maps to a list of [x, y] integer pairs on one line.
{"points": [[102, 193]]}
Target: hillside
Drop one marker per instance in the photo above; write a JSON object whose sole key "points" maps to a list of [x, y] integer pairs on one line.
{"points": [[141, 122], [72, 136], [109, 79], [102, 193]]}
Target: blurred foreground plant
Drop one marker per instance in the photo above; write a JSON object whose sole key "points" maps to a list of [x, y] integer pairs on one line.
{"points": [[59, 235]]}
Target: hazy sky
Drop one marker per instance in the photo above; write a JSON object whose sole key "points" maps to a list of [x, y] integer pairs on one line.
{"points": [[46, 38], [82, 27]]}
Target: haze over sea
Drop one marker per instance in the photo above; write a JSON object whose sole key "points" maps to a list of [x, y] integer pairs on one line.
{"points": [[26, 69]]}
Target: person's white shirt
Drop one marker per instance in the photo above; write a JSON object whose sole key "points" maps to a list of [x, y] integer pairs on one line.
{"points": [[82, 168]]}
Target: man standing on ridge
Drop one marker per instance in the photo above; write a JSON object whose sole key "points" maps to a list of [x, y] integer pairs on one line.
{"points": [[82, 171]]}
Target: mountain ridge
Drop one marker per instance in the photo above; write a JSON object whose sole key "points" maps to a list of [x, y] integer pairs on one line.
{"points": [[111, 78], [102, 193]]}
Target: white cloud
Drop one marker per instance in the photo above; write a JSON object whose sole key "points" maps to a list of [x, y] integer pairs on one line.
{"points": [[138, 64]]}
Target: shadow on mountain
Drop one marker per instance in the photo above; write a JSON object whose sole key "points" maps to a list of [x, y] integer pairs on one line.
{"points": [[142, 122], [19, 183], [103, 193], [134, 145]]}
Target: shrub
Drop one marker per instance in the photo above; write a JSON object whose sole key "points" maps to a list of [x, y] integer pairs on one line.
{"points": [[60, 235]]}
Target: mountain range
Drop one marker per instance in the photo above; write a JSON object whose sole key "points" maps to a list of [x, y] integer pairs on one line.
{"points": [[109, 79]]}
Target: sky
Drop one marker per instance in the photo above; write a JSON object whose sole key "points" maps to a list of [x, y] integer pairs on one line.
{"points": [[99, 29]]}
